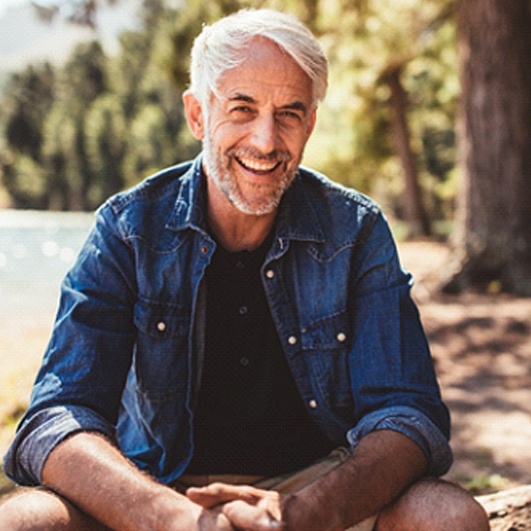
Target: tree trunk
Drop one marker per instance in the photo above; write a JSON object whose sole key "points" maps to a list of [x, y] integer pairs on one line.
{"points": [[492, 241], [414, 212]]}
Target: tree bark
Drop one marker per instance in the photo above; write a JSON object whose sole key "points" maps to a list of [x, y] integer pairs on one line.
{"points": [[492, 242], [414, 211]]}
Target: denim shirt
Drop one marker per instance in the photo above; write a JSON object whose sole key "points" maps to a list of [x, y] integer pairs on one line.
{"points": [[126, 352]]}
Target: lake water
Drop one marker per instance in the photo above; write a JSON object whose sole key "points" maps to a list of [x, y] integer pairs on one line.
{"points": [[36, 250]]}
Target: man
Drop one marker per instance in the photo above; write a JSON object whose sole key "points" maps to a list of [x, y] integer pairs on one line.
{"points": [[235, 319]]}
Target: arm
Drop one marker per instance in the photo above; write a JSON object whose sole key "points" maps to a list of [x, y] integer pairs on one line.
{"points": [[91, 473], [382, 466], [391, 370]]}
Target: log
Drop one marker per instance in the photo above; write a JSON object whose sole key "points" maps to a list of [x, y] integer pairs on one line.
{"points": [[508, 510]]}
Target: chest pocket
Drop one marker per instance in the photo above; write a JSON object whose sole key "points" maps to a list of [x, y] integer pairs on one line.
{"points": [[329, 333], [161, 354], [326, 348]]}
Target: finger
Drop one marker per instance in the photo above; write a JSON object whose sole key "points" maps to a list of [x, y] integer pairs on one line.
{"points": [[217, 493], [250, 517], [203, 499]]}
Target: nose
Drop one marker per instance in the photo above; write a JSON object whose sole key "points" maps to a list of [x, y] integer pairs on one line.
{"points": [[265, 135]]}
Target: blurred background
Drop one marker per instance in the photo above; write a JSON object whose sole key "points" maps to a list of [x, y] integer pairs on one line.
{"points": [[91, 99], [428, 112]]}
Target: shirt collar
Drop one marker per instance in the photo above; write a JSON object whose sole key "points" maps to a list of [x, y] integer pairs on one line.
{"points": [[189, 209], [298, 217]]}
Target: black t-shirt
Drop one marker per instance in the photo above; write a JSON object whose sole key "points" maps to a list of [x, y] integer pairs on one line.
{"points": [[250, 418]]}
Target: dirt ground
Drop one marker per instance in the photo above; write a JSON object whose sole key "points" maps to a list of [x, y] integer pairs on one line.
{"points": [[481, 345]]}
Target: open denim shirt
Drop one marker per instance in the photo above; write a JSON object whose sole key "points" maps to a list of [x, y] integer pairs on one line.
{"points": [[126, 352]]}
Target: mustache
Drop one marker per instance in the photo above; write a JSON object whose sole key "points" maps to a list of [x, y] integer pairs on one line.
{"points": [[276, 155]]}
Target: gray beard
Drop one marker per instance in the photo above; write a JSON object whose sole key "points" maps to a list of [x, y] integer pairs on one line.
{"points": [[220, 174]]}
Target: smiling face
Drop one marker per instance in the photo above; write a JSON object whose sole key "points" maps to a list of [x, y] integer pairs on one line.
{"points": [[257, 126]]}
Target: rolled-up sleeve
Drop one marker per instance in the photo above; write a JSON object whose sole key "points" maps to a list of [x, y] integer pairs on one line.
{"points": [[39, 434], [413, 424]]}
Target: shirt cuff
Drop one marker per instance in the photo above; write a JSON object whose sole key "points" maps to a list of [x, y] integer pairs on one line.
{"points": [[413, 424], [41, 433]]}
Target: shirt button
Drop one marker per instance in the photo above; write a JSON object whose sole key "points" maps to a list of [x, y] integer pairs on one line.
{"points": [[270, 273], [243, 310], [204, 249], [292, 340], [312, 403], [161, 326], [341, 337], [244, 361]]}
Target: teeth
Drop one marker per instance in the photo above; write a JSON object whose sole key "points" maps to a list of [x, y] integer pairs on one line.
{"points": [[255, 165]]}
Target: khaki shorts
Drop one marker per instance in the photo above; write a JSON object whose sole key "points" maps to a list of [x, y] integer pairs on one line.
{"points": [[285, 484]]}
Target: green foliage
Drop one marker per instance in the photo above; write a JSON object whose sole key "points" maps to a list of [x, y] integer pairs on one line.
{"points": [[59, 147], [72, 135], [29, 95], [26, 181], [372, 38], [485, 484], [105, 144], [145, 157], [86, 72]]}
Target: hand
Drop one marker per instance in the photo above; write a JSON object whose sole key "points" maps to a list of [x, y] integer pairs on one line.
{"points": [[172, 511], [213, 520], [246, 507]]}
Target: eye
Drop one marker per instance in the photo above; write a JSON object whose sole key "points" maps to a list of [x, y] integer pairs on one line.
{"points": [[288, 115], [243, 109], [241, 113]]}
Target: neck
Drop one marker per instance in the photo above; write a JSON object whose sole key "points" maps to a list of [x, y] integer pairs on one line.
{"points": [[246, 233], [235, 230]]}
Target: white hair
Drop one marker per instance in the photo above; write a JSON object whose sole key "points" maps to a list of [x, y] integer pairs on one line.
{"points": [[224, 44]]}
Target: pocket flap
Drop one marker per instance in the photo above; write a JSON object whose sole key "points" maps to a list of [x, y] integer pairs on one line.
{"points": [[161, 319], [329, 332]]}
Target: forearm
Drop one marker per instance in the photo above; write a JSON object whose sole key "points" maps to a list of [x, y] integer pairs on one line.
{"points": [[91, 473], [382, 466]]}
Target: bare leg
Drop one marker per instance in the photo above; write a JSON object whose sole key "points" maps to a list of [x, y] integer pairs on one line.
{"points": [[434, 505], [40, 509]]}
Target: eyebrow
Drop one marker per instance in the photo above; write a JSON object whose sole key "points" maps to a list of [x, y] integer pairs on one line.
{"points": [[242, 97], [295, 106]]}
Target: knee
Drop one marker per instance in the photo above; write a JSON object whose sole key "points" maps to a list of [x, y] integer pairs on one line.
{"points": [[30, 509], [434, 505], [39, 509]]}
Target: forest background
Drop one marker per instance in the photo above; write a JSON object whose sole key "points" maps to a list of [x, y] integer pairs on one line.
{"points": [[428, 111], [72, 134]]}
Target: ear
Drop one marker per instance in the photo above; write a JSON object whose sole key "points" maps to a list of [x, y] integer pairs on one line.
{"points": [[194, 115], [311, 125]]}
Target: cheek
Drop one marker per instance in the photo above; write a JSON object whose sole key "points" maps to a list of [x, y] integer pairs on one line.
{"points": [[295, 140], [296, 148], [222, 131]]}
